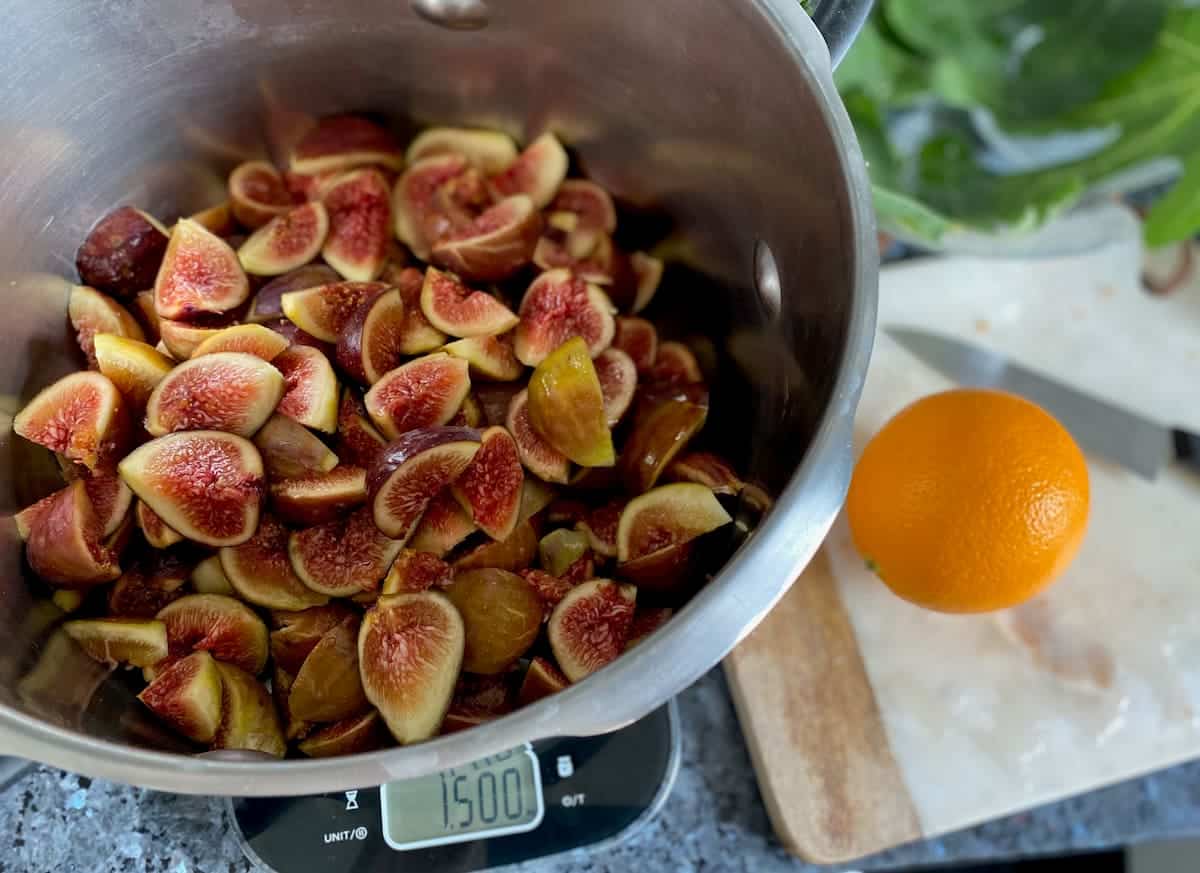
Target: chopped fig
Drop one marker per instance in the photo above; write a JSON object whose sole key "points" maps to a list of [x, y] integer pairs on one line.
{"points": [[566, 406], [157, 532], [209, 578], [492, 246], [286, 242], [488, 150], [591, 204], [296, 634], [137, 642], [490, 488], [488, 357], [557, 307], [63, 544], [417, 335], [327, 685], [267, 305], [645, 622], [82, 415], [258, 194], [142, 307], [92, 312], [187, 696], [340, 142], [68, 599], [657, 437], [648, 272], [224, 627], [121, 254], [537, 171], [535, 496], [423, 393], [550, 588], [413, 206], [541, 680], [180, 339], [414, 468], [600, 527], [145, 589], [444, 525], [324, 311], [410, 650], [249, 720], [667, 516], [513, 554], [310, 394], [361, 733], [638, 338], [110, 498], [320, 497], [344, 556], [538, 456], [260, 572], [370, 343], [501, 615], [359, 443], [310, 186], [290, 450], [228, 391], [618, 382], [478, 699], [707, 469], [360, 224], [581, 570], [206, 484], [217, 219], [469, 414], [454, 308], [417, 571], [590, 626], [561, 548], [249, 339], [200, 273], [281, 690], [675, 363], [134, 367], [582, 220], [495, 399]]}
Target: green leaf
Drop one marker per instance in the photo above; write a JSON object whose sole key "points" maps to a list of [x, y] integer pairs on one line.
{"points": [[1176, 216], [901, 214], [881, 68]]}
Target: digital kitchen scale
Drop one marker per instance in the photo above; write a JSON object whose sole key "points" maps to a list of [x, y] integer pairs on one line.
{"points": [[536, 800]]}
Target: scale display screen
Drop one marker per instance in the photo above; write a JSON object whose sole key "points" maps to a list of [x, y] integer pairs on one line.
{"points": [[494, 796]]}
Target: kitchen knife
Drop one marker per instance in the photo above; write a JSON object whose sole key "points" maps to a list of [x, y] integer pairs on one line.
{"points": [[1142, 445]]}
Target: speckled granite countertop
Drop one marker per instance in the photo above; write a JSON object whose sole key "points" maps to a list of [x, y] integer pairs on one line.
{"points": [[52, 821]]}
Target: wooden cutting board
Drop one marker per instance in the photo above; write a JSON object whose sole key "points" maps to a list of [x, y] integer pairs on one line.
{"points": [[871, 722]]}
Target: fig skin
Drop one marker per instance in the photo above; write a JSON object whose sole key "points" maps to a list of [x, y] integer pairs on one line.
{"points": [[638, 338], [590, 626], [358, 442], [207, 485], [134, 367], [122, 253], [137, 642], [64, 545], [328, 686], [92, 313], [538, 456], [227, 391], [260, 572], [558, 306], [250, 339], [412, 470], [224, 627], [361, 733], [453, 308], [658, 436], [561, 548], [186, 695], [218, 219], [310, 394], [371, 343], [286, 242], [667, 516], [200, 274], [566, 406], [490, 488], [320, 497], [541, 680], [249, 720], [424, 393], [82, 415], [410, 650], [513, 554], [290, 450], [181, 339], [296, 634], [495, 245], [501, 615], [360, 222]]}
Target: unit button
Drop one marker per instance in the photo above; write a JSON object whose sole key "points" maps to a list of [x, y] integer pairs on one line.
{"points": [[565, 766]]}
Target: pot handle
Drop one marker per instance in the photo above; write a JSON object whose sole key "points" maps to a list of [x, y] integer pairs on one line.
{"points": [[839, 22], [11, 769]]}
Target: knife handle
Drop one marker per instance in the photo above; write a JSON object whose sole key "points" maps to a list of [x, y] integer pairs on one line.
{"points": [[1187, 447]]}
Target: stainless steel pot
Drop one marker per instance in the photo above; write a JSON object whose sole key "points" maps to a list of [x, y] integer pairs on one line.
{"points": [[720, 115]]}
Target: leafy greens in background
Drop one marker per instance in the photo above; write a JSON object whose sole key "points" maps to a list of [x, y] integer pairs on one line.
{"points": [[1031, 68]]}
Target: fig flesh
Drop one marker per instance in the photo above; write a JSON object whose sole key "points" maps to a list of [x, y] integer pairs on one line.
{"points": [[286, 242], [566, 406], [324, 311], [249, 720], [488, 357], [137, 642], [200, 274], [341, 142], [541, 680], [227, 391], [590, 626], [490, 488], [360, 223], [134, 367], [638, 338], [557, 307], [648, 273], [412, 470], [224, 627], [417, 571], [453, 308], [647, 621], [538, 456], [151, 582], [423, 393], [328, 686], [410, 649], [413, 208], [707, 469], [290, 450], [94, 313], [122, 253], [371, 342], [488, 150], [618, 382], [110, 499], [257, 193], [205, 484], [296, 634], [667, 516], [82, 416], [361, 733], [267, 305], [320, 497], [64, 542], [443, 526], [156, 532], [537, 172], [186, 695], [343, 557], [417, 335], [310, 393], [180, 339], [261, 574], [494, 245], [600, 526], [209, 578]]}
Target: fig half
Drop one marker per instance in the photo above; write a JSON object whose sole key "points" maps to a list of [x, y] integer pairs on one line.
{"points": [[82, 416], [536, 172], [122, 253], [64, 540], [490, 488], [412, 470], [410, 649], [454, 308], [360, 224], [501, 616], [205, 484], [708, 469], [371, 343], [538, 456], [648, 272], [340, 142], [494, 245], [186, 695], [590, 626], [260, 572], [328, 686], [249, 720], [320, 497], [667, 516], [343, 557], [310, 393], [93, 313], [138, 642], [134, 367], [209, 578], [286, 242], [558, 306], [488, 150], [423, 393], [566, 406], [200, 274], [228, 391], [225, 628]]}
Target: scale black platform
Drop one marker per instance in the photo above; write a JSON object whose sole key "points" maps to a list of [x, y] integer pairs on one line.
{"points": [[537, 800]]}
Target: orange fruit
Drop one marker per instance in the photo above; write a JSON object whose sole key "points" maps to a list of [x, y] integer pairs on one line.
{"points": [[969, 501]]}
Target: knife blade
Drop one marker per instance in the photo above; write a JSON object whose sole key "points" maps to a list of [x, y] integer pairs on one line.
{"points": [[1133, 441]]}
